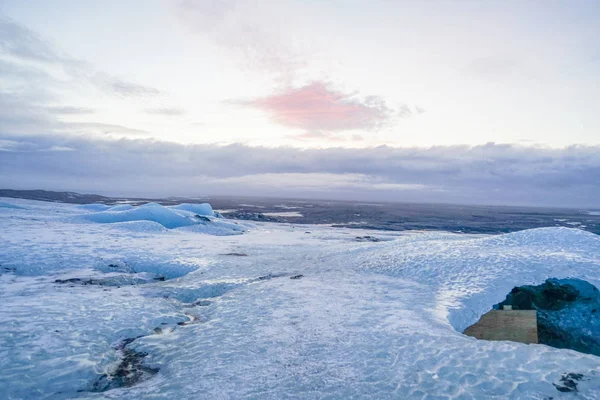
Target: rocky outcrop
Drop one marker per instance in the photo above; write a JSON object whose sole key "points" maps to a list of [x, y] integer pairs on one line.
{"points": [[568, 312]]}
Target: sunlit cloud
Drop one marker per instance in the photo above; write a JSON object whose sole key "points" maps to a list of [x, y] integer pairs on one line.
{"points": [[319, 107]]}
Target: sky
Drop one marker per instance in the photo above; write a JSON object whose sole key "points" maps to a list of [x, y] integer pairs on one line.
{"points": [[493, 102]]}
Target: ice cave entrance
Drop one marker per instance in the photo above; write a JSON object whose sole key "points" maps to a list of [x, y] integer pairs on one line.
{"points": [[562, 313]]}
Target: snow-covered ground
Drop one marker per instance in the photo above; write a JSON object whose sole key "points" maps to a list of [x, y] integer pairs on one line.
{"points": [[228, 309]]}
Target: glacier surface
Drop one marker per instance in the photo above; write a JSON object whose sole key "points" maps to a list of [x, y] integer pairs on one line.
{"points": [[209, 304]]}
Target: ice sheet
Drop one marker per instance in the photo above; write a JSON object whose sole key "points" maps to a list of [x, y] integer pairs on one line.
{"points": [[359, 320]]}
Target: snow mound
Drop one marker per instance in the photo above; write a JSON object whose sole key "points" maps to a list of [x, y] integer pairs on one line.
{"points": [[94, 207], [148, 212], [141, 226], [216, 228], [121, 207], [153, 217], [12, 206], [200, 209], [469, 275]]}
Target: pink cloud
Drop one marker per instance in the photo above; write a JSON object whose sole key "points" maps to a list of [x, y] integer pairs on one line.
{"points": [[317, 107]]}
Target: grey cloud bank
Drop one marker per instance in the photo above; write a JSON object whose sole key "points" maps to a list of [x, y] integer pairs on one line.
{"points": [[488, 174]]}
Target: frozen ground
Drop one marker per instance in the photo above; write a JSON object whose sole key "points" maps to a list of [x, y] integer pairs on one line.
{"points": [[218, 315]]}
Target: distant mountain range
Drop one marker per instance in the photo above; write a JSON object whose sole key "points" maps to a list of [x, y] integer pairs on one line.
{"points": [[349, 214], [57, 197]]}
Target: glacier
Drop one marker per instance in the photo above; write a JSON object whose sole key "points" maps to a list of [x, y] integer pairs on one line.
{"points": [[208, 304]]}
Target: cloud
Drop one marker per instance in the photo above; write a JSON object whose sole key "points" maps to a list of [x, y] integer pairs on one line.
{"points": [[317, 107], [165, 111], [24, 55], [100, 128], [491, 68], [69, 110], [239, 26], [404, 111], [121, 88], [20, 115], [22, 43], [258, 34], [35, 78], [488, 174], [319, 136]]}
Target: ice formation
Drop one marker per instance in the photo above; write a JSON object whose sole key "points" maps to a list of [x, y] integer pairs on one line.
{"points": [[299, 315], [169, 217], [200, 209]]}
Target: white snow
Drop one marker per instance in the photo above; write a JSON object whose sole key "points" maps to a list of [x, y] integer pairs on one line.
{"points": [[367, 320], [250, 205], [286, 207], [283, 214]]}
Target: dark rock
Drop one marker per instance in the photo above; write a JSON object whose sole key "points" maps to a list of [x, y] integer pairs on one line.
{"points": [[191, 320], [79, 281], [202, 218], [67, 280], [551, 295], [116, 280], [296, 276], [118, 267], [128, 372], [236, 254], [566, 312], [367, 239], [201, 303], [568, 382], [127, 341], [251, 216]]}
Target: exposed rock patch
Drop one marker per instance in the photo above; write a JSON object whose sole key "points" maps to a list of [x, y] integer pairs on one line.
{"points": [[568, 382], [367, 239], [567, 312], [130, 370], [251, 216]]}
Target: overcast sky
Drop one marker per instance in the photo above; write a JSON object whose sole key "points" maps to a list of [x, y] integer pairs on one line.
{"points": [[493, 102]]}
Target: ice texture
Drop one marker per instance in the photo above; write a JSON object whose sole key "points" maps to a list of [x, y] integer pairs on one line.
{"points": [[94, 207], [178, 216], [219, 317], [200, 209], [148, 212], [9, 205]]}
